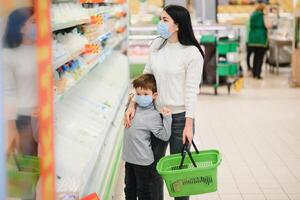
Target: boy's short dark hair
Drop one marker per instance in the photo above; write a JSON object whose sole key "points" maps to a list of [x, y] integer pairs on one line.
{"points": [[145, 81]]}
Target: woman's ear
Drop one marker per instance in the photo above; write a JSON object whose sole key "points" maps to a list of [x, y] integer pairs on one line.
{"points": [[176, 27]]}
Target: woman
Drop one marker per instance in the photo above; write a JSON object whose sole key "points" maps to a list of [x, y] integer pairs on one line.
{"points": [[249, 49], [176, 61], [20, 79], [258, 39]]}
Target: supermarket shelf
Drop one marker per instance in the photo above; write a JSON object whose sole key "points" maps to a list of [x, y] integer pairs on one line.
{"points": [[99, 11], [101, 178], [81, 51], [105, 53], [139, 42], [91, 66], [56, 27], [142, 28], [195, 27], [67, 59], [95, 147], [103, 36], [142, 37], [138, 59], [102, 155], [210, 27]]}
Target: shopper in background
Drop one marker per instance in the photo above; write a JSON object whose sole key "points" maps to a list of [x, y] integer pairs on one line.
{"points": [[176, 61], [20, 80], [137, 151], [249, 49], [258, 39]]}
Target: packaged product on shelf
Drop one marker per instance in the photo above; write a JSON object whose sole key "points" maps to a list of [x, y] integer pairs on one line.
{"points": [[63, 13], [59, 52], [69, 73], [67, 189], [93, 31], [73, 41]]}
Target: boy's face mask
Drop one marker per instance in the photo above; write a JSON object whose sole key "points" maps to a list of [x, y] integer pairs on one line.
{"points": [[144, 100]]}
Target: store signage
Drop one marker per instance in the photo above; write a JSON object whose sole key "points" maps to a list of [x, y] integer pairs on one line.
{"points": [[93, 196], [96, 19], [45, 87], [92, 48]]}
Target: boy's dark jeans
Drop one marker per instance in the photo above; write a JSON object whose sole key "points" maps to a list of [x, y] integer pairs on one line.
{"points": [[137, 181]]}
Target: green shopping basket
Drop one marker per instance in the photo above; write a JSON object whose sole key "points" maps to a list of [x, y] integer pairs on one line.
{"points": [[196, 175], [22, 175]]}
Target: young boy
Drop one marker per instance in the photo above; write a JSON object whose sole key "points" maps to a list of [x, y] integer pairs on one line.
{"points": [[137, 151]]}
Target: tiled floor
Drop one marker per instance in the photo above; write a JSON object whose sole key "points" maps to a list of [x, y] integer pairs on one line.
{"points": [[258, 134]]}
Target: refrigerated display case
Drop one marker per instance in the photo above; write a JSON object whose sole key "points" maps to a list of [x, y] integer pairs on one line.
{"points": [[91, 77]]}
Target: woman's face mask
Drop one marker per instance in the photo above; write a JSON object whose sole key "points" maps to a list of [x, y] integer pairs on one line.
{"points": [[29, 29], [163, 30], [32, 32], [166, 27]]}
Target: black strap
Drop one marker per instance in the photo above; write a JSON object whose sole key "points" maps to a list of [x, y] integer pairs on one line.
{"points": [[186, 148], [17, 162], [195, 146]]}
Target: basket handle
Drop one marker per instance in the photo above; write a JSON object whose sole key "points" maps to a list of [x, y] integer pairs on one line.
{"points": [[13, 154], [187, 145], [186, 149]]}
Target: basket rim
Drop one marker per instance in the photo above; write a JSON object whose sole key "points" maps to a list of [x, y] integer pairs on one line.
{"points": [[159, 164]]}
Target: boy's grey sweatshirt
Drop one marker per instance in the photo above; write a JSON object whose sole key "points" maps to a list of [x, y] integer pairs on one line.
{"points": [[137, 139]]}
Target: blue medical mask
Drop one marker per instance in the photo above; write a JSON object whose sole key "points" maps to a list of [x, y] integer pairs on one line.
{"points": [[143, 100], [33, 31], [163, 30]]}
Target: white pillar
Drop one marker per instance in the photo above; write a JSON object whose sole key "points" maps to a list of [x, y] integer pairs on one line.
{"points": [[206, 10]]}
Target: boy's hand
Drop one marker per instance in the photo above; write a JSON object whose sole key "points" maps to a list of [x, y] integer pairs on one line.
{"points": [[165, 111]]}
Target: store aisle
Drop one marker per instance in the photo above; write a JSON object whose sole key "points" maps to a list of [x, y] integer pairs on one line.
{"points": [[258, 133]]}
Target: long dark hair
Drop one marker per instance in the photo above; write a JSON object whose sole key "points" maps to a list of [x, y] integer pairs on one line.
{"points": [[182, 18], [13, 37]]}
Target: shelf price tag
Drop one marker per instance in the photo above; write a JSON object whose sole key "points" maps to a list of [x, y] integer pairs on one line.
{"points": [[93, 196], [96, 19], [92, 48], [91, 1]]}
